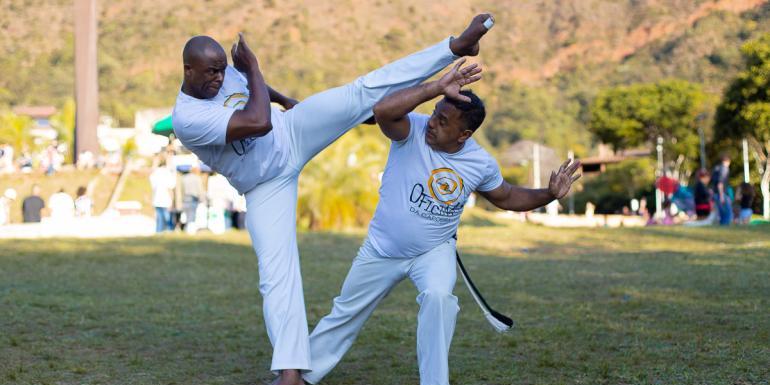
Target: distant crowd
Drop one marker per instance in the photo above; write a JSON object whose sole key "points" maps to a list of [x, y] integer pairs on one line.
{"points": [[51, 159], [191, 197], [711, 201], [61, 206]]}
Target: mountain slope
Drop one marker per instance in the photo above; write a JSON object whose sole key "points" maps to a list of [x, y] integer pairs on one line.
{"points": [[544, 57]]}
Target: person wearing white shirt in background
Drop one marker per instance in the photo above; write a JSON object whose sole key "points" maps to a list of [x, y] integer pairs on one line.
{"points": [[192, 192], [162, 182], [83, 203], [61, 205], [5, 206], [6, 159], [219, 195]]}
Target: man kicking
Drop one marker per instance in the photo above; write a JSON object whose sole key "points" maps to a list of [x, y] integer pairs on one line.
{"points": [[432, 168], [223, 115]]}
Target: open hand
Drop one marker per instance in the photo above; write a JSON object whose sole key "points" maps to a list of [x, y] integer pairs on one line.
{"points": [[454, 80], [244, 59], [562, 180]]}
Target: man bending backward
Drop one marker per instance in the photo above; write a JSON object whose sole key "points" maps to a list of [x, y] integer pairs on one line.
{"points": [[432, 168]]}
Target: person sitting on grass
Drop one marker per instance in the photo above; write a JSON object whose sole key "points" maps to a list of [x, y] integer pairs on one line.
{"points": [[746, 198], [433, 167]]}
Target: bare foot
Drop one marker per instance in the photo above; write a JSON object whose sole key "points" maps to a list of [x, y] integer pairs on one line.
{"points": [[467, 44], [288, 377]]}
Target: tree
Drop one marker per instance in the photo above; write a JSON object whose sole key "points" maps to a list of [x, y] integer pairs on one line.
{"points": [[14, 130], [339, 188], [745, 110], [635, 115], [64, 124], [517, 111]]}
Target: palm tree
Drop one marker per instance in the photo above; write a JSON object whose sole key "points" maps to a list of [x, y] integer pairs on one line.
{"points": [[14, 130], [339, 189]]}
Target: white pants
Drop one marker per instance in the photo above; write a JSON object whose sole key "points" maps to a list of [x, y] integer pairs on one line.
{"points": [[311, 126], [370, 279]]}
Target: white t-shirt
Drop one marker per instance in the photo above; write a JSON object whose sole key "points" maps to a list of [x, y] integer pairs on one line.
{"points": [[201, 125], [424, 192], [83, 206], [162, 181], [62, 206]]}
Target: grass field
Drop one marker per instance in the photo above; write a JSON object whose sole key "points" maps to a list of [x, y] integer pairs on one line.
{"points": [[593, 306]]}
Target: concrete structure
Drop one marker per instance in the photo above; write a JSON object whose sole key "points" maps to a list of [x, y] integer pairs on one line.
{"points": [[86, 79], [147, 143], [598, 163]]}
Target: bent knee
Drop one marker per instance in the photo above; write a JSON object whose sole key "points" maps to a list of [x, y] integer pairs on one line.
{"points": [[434, 296]]}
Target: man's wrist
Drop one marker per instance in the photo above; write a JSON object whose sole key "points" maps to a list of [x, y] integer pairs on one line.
{"points": [[434, 89], [550, 194]]}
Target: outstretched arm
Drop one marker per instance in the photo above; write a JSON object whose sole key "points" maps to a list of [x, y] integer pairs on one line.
{"points": [[514, 198], [254, 118], [391, 112]]}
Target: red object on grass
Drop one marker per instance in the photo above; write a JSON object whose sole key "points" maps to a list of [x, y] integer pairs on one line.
{"points": [[667, 185]]}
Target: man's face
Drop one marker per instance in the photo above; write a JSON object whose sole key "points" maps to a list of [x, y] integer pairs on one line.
{"points": [[446, 129], [204, 75]]}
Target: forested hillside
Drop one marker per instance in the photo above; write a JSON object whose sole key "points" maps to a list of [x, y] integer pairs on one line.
{"points": [[544, 61]]}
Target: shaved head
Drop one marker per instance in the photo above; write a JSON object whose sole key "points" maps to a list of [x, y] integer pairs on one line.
{"points": [[204, 62], [199, 47]]}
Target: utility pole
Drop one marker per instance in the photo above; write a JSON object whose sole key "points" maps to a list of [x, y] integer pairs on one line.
{"points": [[536, 165], [745, 160], [702, 138], [86, 80], [571, 156], [659, 174]]}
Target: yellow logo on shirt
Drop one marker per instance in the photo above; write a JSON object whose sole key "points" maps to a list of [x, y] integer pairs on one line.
{"points": [[236, 100], [445, 185]]}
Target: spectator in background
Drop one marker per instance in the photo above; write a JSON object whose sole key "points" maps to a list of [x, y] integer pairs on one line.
{"points": [[162, 182], [703, 196], [5, 206], [720, 182], [61, 205], [668, 214], [746, 198], [238, 210], [6, 159], [192, 191], [25, 162], [83, 203], [32, 206], [50, 158], [219, 196], [86, 160]]}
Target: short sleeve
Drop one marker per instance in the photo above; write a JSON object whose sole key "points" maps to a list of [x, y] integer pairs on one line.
{"points": [[417, 124], [493, 177], [201, 123]]}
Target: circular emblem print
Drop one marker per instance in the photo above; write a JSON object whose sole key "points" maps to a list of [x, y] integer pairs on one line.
{"points": [[236, 100], [445, 185]]}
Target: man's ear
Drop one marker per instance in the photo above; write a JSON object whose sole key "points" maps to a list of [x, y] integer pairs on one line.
{"points": [[187, 69], [465, 135]]}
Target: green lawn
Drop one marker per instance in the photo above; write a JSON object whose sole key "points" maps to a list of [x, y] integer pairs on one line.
{"points": [[593, 306]]}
